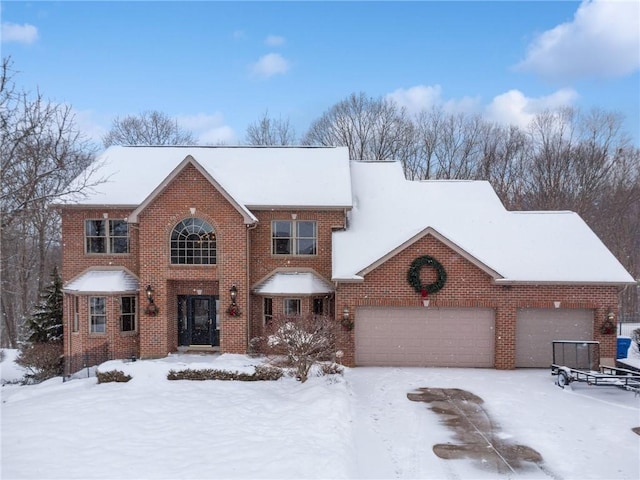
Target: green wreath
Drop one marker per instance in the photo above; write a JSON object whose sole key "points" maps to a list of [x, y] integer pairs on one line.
{"points": [[413, 275]]}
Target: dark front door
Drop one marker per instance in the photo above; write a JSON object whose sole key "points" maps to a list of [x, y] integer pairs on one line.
{"points": [[198, 320]]}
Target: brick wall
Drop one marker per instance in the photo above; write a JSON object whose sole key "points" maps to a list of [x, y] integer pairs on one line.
{"points": [[469, 286], [262, 263]]}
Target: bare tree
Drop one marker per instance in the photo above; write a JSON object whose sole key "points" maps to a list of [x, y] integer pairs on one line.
{"points": [[372, 129], [148, 128], [504, 151], [583, 162], [270, 131], [41, 152]]}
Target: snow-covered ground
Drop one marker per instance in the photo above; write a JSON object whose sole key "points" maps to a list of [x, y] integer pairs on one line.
{"points": [[360, 425]]}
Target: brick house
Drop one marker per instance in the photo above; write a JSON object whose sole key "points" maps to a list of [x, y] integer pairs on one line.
{"points": [[197, 247]]}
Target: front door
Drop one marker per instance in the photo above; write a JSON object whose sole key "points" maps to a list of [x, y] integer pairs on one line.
{"points": [[198, 320]]}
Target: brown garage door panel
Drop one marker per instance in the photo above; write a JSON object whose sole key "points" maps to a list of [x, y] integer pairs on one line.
{"points": [[442, 337], [536, 328]]}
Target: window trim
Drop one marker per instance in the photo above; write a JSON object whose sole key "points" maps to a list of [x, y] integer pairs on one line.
{"points": [[132, 316], [176, 253], [108, 237], [291, 299], [76, 314], [267, 310], [97, 315], [294, 238]]}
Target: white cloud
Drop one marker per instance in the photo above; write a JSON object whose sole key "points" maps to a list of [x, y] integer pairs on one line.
{"points": [[602, 40], [238, 34], [208, 129], [509, 108], [423, 97], [12, 32], [269, 65], [514, 108], [415, 99], [274, 40], [91, 127]]}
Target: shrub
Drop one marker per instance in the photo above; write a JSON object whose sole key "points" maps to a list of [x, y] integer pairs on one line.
{"points": [[42, 361], [262, 372], [112, 376], [303, 340], [331, 369], [257, 346]]}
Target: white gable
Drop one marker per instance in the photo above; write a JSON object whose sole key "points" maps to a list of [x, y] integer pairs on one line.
{"points": [[389, 212]]}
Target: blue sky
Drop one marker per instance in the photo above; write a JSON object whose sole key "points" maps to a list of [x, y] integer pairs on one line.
{"points": [[219, 66]]}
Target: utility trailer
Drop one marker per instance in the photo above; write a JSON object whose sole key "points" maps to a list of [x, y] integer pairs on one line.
{"points": [[574, 361]]}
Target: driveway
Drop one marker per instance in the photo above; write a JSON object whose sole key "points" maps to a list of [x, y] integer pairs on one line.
{"points": [[481, 423]]}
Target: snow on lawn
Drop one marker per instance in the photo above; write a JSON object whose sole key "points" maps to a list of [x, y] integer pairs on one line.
{"points": [[360, 425]]}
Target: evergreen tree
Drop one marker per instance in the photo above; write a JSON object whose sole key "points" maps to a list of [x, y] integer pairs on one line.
{"points": [[46, 323]]}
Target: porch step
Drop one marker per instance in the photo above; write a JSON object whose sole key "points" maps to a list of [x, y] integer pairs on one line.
{"points": [[199, 350]]}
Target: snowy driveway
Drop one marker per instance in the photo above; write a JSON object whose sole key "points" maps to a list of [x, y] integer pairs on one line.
{"points": [[573, 430]]}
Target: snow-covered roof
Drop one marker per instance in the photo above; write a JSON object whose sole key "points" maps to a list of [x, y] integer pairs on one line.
{"points": [[103, 281], [390, 212], [293, 283], [255, 177], [386, 212]]}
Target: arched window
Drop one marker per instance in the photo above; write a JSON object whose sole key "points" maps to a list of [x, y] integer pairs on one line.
{"points": [[193, 242]]}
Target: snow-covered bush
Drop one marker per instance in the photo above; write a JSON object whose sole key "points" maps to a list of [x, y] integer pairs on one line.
{"points": [[303, 340]]}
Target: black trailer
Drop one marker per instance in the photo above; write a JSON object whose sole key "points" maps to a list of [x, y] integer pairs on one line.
{"points": [[573, 361]]}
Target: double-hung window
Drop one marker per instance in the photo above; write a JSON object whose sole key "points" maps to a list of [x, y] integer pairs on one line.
{"points": [[294, 237], [292, 307], [97, 314], [127, 314], [267, 310], [76, 313], [106, 236]]}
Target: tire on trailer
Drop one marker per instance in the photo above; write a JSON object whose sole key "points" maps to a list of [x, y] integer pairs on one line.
{"points": [[563, 379]]}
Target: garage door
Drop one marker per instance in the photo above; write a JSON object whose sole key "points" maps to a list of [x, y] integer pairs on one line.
{"points": [[433, 337], [536, 328]]}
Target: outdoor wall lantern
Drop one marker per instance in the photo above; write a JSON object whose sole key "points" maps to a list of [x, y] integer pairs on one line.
{"points": [[346, 322], [152, 309], [608, 327], [233, 310], [233, 293], [149, 291]]}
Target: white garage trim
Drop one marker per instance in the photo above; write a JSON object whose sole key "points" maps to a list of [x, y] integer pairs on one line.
{"points": [[536, 328], [425, 337]]}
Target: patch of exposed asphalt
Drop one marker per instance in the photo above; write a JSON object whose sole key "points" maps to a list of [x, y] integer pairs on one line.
{"points": [[476, 435]]}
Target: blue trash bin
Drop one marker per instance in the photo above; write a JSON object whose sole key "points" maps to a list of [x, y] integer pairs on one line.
{"points": [[623, 346]]}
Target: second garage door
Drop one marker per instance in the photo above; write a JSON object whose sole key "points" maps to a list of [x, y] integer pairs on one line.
{"points": [[425, 337], [536, 328]]}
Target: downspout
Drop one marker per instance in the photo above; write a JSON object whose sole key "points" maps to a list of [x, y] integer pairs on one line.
{"points": [[247, 301], [70, 320]]}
